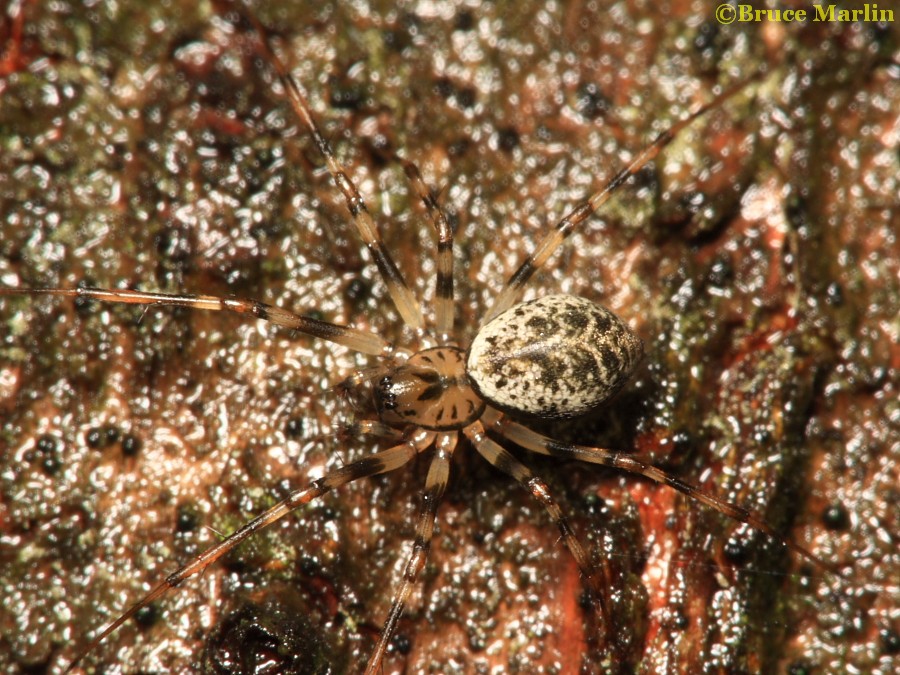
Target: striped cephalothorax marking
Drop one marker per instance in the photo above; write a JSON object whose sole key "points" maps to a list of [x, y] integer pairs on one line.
{"points": [[430, 390], [555, 357]]}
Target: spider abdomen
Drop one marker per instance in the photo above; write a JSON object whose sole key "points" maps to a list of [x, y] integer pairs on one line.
{"points": [[558, 356]]}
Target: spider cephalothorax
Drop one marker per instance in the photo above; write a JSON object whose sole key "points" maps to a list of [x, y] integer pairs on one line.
{"points": [[431, 390]]}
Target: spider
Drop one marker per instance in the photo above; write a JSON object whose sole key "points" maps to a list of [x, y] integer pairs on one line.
{"points": [[439, 434]]}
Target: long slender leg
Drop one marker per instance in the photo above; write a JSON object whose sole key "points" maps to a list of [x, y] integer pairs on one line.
{"points": [[373, 428], [531, 440], [357, 340], [381, 462], [443, 296], [554, 239], [435, 484], [400, 293], [361, 376], [499, 457]]}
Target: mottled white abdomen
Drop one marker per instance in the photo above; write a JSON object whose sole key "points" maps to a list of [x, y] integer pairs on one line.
{"points": [[558, 356]]}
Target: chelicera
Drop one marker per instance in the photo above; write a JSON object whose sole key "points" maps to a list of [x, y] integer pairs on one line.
{"points": [[555, 357]]}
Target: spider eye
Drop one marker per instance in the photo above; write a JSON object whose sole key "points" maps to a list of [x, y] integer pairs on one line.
{"points": [[558, 356], [385, 394]]}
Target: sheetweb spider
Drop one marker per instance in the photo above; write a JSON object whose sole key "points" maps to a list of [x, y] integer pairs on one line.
{"points": [[552, 358]]}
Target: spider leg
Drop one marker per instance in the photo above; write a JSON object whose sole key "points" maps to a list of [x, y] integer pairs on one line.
{"points": [[353, 338], [531, 440], [380, 462], [363, 375], [499, 457], [373, 428], [443, 296], [402, 296], [435, 484], [554, 239]]}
